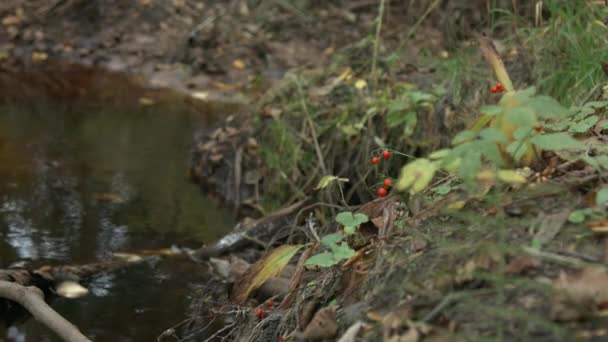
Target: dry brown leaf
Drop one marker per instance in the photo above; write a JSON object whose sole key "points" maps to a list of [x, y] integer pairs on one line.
{"points": [[10, 20], [521, 264], [599, 226], [323, 325], [108, 197], [580, 295]]}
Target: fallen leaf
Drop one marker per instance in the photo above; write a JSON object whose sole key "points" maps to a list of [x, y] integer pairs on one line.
{"points": [[580, 295], [225, 86], [351, 333], [10, 20], [599, 226], [268, 266], [146, 101], [39, 56], [109, 197], [521, 264], [550, 227], [323, 325], [238, 64], [70, 289]]}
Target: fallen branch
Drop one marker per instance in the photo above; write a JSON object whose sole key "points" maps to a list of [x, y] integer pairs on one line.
{"points": [[32, 299]]}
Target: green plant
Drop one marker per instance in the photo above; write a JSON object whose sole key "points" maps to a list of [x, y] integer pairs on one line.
{"points": [[570, 50], [403, 111], [338, 249], [515, 136], [598, 212]]}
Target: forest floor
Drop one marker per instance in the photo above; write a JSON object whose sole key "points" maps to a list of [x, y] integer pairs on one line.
{"points": [[328, 86]]}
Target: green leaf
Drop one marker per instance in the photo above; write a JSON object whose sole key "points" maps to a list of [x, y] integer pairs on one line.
{"points": [[602, 161], [584, 125], [347, 219], [396, 118], [440, 154], [332, 239], [523, 132], [490, 151], [558, 126], [342, 251], [547, 107], [491, 110], [416, 96], [470, 165], [325, 259], [492, 134], [597, 104], [443, 189], [326, 180], [578, 216], [557, 141], [411, 120], [517, 149], [463, 137], [601, 198], [417, 175], [521, 116]]}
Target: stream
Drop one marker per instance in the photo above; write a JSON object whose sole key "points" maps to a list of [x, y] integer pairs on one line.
{"points": [[79, 183]]}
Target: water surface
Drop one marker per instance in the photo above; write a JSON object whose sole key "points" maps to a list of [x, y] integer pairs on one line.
{"points": [[79, 183]]}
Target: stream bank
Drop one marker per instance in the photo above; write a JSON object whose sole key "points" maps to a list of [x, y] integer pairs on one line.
{"points": [[421, 272]]}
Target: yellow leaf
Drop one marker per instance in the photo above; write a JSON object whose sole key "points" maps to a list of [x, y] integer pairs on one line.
{"points": [[491, 55], [326, 180], [360, 84], [511, 177], [268, 266], [238, 64], [457, 205], [39, 56], [346, 75], [417, 175]]}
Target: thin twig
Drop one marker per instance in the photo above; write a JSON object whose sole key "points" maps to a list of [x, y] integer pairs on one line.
{"points": [[312, 128], [560, 259], [377, 42], [229, 326], [428, 11]]}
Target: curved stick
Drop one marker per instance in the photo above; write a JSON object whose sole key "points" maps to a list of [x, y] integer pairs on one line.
{"points": [[32, 299]]}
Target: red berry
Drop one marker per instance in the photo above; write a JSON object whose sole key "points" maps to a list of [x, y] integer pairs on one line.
{"points": [[388, 183], [499, 86], [269, 304], [375, 160], [494, 89], [386, 154], [260, 313], [382, 192]]}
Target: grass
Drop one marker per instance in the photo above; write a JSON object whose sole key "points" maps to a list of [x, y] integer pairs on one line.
{"points": [[569, 50]]}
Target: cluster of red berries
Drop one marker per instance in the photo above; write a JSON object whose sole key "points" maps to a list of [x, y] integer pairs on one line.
{"points": [[388, 183], [498, 88], [260, 311]]}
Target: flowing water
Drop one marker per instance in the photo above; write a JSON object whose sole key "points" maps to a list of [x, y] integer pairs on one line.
{"points": [[77, 184]]}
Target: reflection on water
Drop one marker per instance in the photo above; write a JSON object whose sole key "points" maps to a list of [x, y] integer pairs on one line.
{"points": [[76, 185]]}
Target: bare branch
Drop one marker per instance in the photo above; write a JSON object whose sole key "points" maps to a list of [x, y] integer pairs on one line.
{"points": [[32, 299]]}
